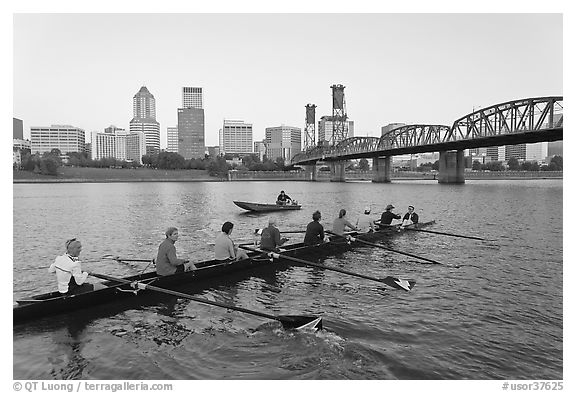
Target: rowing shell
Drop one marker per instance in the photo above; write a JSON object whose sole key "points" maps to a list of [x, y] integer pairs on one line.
{"points": [[208, 273], [265, 207]]}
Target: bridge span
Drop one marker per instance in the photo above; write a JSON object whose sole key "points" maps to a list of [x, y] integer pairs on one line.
{"points": [[528, 120]]}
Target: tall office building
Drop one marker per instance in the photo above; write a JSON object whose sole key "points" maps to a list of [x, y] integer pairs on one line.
{"points": [[284, 142], [192, 97], [235, 137], [496, 153], [191, 133], [172, 139], [17, 129], [144, 120], [67, 139], [326, 129]]}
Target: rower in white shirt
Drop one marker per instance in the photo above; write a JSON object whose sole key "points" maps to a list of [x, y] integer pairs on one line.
{"points": [[71, 279]]}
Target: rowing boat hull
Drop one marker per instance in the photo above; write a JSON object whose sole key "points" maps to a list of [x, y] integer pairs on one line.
{"points": [[209, 273], [265, 207]]}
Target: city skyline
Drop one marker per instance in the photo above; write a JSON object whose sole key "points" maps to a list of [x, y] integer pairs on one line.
{"points": [[441, 68]]}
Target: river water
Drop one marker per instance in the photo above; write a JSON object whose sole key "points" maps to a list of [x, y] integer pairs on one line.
{"points": [[493, 310]]}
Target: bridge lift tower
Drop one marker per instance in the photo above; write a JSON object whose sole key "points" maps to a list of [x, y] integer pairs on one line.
{"points": [[310, 128], [339, 116]]}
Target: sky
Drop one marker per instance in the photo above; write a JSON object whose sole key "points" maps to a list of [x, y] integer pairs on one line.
{"points": [[84, 69]]}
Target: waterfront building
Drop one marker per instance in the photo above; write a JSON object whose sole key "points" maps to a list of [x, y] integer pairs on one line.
{"points": [[496, 153], [191, 133], [537, 152], [135, 147], [144, 120], [17, 129], [527, 151], [283, 142], [235, 137], [116, 143], [18, 148], [555, 148], [260, 149], [389, 127], [326, 129], [213, 151], [172, 139], [66, 138], [192, 97]]}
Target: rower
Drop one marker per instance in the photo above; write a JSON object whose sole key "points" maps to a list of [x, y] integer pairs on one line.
{"points": [[314, 230], [410, 218], [224, 247], [283, 199], [71, 278], [341, 223], [167, 262], [270, 239], [388, 216], [364, 223]]}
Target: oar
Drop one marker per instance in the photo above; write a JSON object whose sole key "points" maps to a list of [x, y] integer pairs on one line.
{"points": [[288, 321], [119, 259], [354, 239], [444, 233], [303, 231], [393, 282]]}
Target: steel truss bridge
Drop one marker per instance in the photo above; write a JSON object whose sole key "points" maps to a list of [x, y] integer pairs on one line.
{"points": [[528, 120]]}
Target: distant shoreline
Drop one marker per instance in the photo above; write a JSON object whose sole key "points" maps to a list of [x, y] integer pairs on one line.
{"points": [[107, 175]]}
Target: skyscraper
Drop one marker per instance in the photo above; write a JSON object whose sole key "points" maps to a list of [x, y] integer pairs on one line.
{"points": [[191, 133], [236, 137], [144, 120], [192, 97], [191, 124]]}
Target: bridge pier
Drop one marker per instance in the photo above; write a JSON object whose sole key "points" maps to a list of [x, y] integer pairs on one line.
{"points": [[337, 171], [381, 169], [451, 167], [311, 172]]}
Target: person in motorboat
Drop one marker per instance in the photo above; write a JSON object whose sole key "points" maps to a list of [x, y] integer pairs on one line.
{"points": [[388, 216], [167, 262], [271, 239], [283, 199], [71, 279], [341, 223], [410, 218], [314, 230], [224, 247], [364, 223]]}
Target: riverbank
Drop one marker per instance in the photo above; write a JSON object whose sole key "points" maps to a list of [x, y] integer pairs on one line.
{"points": [[122, 175], [108, 175]]}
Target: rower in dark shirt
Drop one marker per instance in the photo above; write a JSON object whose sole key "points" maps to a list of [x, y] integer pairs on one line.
{"points": [[283, 199], [388, 216], [314, 230]]}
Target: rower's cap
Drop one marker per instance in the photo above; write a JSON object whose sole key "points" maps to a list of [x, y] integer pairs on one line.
{"points": [[389, 207], [410, 207], [271, 221], [367, 209]]}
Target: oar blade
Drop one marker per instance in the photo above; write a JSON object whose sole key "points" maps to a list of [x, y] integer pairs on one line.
{"points": [[399, 283], [301, 322]]}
